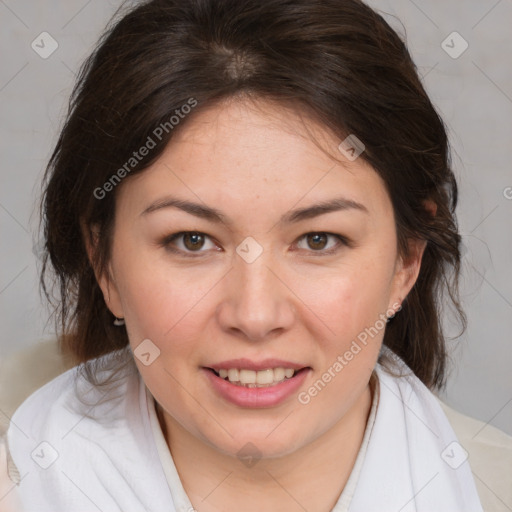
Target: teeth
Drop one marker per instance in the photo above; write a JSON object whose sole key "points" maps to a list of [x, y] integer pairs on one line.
{"points": [[288, 373], [261, 378], [247, 377], [280, 374], [233, 375]]}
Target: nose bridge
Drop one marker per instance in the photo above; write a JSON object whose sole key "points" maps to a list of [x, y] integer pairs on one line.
{"points": [[257, 302], [257, 281]]}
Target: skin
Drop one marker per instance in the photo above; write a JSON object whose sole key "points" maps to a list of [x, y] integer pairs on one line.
{"points": [[255, 161]]}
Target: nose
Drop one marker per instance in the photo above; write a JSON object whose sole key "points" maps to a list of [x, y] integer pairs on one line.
{"points": [[257, 303]]}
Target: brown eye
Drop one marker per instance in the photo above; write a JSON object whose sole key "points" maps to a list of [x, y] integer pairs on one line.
{"points": [[188, 243], [193, 241], [317, 241]]}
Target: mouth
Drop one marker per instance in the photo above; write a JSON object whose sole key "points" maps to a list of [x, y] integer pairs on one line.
{"points": [[257, 379], [264, 387]]}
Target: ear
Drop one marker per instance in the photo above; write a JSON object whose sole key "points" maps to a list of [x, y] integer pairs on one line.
{"points": [[407, 271], [430, 206], [104, 278]]}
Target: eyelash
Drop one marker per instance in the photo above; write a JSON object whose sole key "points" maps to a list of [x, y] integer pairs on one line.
{"points": [[167, 241]]}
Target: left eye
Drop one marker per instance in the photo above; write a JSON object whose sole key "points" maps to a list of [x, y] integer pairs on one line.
{"points": [[319, 240]]}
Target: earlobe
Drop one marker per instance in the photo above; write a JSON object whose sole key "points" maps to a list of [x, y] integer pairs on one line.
{"points": [[110, 292], [408, 272], [407, 275], [104, 278]]}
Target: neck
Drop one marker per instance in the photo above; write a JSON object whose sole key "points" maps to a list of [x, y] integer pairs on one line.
{"points": [[311, 478]]}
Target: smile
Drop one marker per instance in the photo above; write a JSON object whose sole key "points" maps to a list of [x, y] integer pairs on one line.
{"points": [[256, 379], [256, 389]]}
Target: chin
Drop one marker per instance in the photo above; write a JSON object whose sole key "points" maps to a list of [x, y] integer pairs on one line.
{"points": [[259, 445]]}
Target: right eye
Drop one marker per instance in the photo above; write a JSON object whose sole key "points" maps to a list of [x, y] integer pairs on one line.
{"points": [[190, 242]]}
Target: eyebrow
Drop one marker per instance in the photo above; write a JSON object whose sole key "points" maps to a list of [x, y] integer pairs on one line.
{"points": [[297, 215]]}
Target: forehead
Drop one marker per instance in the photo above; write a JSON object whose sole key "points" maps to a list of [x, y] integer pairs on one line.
{"points": [[255, 132], [255, 156]]}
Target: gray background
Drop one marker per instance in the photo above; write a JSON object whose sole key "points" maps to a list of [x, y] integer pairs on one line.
{"points": [[473, 93]]}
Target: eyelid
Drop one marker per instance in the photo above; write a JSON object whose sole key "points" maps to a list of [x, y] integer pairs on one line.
{"points": [[167, 243], [342, 241]]}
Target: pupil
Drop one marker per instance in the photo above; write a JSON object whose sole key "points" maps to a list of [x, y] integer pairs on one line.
{"points": [[195, 239], [317, 238]]}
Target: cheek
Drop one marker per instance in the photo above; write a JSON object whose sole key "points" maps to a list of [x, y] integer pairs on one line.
{"points": [[159, 302], [349, 299], [166, 309], [351, 303]]}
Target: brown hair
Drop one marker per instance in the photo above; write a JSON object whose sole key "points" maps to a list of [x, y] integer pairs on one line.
{"points": [[338, 60]]}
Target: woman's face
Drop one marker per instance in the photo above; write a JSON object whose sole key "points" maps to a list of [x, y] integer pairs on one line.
{"points": [[276, 283]]}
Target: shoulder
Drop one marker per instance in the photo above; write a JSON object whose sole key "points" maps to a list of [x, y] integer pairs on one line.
{"points": [[39, 407], [489, 452], [70, 409], [73, 439], [487, 449], [72, 396]]}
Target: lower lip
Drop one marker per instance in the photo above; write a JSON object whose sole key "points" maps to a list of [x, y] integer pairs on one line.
{"points": [[256, 397]]}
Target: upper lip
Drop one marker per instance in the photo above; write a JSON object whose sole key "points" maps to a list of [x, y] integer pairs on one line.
{"points": [[247, 364]]}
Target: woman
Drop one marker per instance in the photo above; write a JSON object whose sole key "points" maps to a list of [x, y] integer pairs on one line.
{"points": [[250, 214]]}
